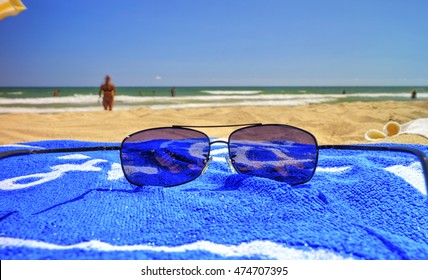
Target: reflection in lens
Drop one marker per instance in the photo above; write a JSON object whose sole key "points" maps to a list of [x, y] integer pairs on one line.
{"points": [[164, 156], [278, 152]]}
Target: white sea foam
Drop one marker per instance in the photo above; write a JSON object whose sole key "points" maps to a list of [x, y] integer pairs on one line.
{"points": [[50, 100], [78, 99], [231, 92], [22, 110], [83, 103], [423, 95], [12, 93], [260, 248]]}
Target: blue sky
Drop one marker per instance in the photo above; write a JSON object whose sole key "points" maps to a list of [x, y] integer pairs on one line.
{"points": [[216, 42]]}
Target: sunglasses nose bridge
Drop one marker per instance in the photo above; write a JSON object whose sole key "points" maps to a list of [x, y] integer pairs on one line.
{"points": [[207, 164], [219, 141], [229, 161]]}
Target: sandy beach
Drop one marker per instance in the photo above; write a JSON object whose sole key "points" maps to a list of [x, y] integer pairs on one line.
{"points": [[341, 123]]}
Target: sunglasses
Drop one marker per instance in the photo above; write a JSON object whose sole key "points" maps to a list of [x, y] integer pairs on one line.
{"points": [[171, 156]]}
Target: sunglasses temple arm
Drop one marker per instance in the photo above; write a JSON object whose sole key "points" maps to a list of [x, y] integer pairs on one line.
{"points": [[419, 154], [50, 151]]}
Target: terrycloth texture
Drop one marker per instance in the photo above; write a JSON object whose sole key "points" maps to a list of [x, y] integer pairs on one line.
{"points": [[418, 127], [361, 205]]}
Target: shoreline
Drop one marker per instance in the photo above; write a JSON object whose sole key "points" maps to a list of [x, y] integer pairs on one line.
{"points": [[86, 99], [339, 123]]}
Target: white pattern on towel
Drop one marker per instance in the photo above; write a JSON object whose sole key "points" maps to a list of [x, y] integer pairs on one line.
{"points": [[115, 173], [412, 174], [333, 169], [267, 249], [76, 156], [57, 171]]}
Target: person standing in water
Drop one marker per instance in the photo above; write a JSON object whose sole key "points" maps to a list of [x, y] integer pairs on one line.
{"points": [[413, 96], [109, 90]]}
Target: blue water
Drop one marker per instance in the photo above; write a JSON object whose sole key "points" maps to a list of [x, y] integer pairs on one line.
{"points": [[40, 99]]}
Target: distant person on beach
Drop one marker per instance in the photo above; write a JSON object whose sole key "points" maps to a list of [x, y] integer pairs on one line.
{"points": [[109, 90], [414, 94], [56, 92], [173, 91]]}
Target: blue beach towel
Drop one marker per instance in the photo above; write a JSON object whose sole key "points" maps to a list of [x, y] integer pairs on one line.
{"points": [[358, 205]]}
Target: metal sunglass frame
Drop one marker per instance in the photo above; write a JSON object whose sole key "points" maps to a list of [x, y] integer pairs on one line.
{"points": [[419, 154]]}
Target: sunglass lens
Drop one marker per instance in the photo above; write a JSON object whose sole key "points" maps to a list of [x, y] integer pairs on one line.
{"points": [[279, 152], [164, 156]]}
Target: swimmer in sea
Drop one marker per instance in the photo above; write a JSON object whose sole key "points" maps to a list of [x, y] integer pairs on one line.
{"points": [[109, 90]]}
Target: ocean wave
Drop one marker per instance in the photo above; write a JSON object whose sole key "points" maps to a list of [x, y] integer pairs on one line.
{"points": [[12, 93], [50, 100], [126, 99], [232, 92], [67, 104], [88, 99], [84, 94], [43, 110], [83, 103], [387, 94]]}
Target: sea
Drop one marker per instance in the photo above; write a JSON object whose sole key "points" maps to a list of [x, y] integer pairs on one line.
{"points": [[83, 99]]}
